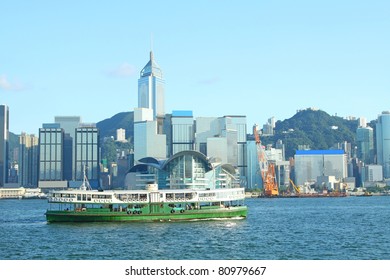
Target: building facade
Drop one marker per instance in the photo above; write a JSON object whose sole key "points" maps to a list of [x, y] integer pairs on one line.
{"points": [[4, 144], [383, 142], [311, 164], [184, 170], [51, 153], [147, 141], [365, 144], [151, 88], [69, 125], [87, 154], [28, 160], [182, 132]]}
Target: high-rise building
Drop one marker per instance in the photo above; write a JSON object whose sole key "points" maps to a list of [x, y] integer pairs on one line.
{"points": [[147, 141], [229, 124], [28, 160], [151, 88], [383, 142], [310, 164], [87, 154], [69, 125], [4, 145], [51, 153], [182, 132], [365, 144]]}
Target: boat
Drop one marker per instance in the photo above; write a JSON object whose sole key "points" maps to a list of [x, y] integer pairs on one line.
{"points": [[150, 204]]}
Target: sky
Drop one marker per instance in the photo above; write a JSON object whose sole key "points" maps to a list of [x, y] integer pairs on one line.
{"points": [[258, 58]]}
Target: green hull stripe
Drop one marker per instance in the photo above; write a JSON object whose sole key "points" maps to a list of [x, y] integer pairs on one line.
{"points": [[71, 216]]}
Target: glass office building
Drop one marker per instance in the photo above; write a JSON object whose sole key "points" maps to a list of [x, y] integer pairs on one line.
{"points": [[87, 154], [151, 88], [365, 144], [51, 154], [383, 142], [182, 130]]}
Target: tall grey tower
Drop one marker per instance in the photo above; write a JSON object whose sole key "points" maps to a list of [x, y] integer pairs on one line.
{"points": [[4, 134], [383, 142], [151, 88]]}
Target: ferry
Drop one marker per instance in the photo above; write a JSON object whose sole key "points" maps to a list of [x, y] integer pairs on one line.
{"points": [[151, 204]]}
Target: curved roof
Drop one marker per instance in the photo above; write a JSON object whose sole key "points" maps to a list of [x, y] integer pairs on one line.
{"points": [[229, 168], [197, 154], [161, 164], [151, 68]]}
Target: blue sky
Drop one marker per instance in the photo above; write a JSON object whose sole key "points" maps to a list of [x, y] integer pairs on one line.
{"points": [[254, 58]]}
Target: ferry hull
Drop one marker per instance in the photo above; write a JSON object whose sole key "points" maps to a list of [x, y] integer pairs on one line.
{"points": [[73, 216]]}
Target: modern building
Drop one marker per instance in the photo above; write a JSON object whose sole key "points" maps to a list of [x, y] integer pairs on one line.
{"points": [[383, 142], [365, 144], [373, 173], [310, 164], [87, 154], [235, 126], [151, 86], [254, 180], [206, 127], [4, 144], [184, 170], [223, 138], [51, 157], [182, 132], [28, 160], [69, 125], [147, 141]]}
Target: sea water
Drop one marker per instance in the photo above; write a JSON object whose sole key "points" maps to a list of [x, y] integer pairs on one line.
{"points": [[341, 228]]}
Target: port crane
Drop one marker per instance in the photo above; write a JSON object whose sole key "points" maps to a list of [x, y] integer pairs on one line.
{"points": [[267, 168], [295, 187]]}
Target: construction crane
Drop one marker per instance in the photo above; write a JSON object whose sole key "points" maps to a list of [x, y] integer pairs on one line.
{"points": [[294, 186], [267, 168]]}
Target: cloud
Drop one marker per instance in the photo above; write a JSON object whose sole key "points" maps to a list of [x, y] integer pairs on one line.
{"points": [[123, 70], [209, 81], [7, 85]]}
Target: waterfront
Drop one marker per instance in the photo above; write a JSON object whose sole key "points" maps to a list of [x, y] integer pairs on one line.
{"points": [[275, 229]]}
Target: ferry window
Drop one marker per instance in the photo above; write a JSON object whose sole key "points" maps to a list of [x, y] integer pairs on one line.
{"points": [[179, 196], [143, 196], [88, 197], [79, 197], [189, 195], [169, 196], [84, 197]]}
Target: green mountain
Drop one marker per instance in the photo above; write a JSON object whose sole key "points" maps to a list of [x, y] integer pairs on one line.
{"points": [[314, 128], [123, 120]]}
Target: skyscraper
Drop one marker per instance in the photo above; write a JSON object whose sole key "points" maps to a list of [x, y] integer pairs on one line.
{"points": [[383, 142], [4, 136], [87, 154], [51, 159], [365, 144], [151, 88], [28, 160]]}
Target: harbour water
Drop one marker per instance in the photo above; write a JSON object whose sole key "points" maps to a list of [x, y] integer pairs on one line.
{"points": [[349, 228]]}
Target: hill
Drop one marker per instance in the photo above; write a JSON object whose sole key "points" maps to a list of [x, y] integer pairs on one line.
{"points": [[314, 128], [123, 120]]}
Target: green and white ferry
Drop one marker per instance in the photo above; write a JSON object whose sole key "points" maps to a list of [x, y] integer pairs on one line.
{"points": [[150, 204]]}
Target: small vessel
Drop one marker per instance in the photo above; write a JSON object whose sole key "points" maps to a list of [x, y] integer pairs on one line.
{"points": [[151, 204]]}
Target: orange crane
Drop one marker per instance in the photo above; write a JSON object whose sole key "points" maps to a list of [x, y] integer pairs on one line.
{"points": [[267, 168]]}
